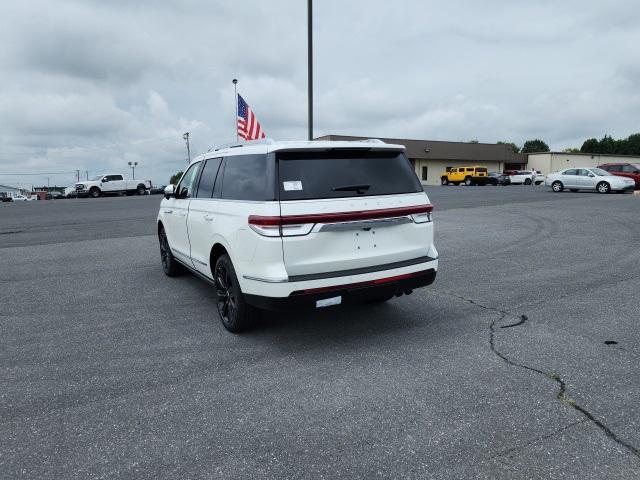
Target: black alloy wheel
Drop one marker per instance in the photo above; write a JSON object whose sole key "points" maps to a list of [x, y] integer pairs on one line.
{"points": [[236, 314], [527, 181], [227, 307], [169, 264]]}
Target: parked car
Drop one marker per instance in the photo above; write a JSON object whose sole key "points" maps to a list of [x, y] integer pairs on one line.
{"points": [[299, 224], [593, 178], [54, 195], [23, 198], [70, 192], [526, 177], [493, 178], [466, 175], [110, 184], [629, 170], [157, 190]]}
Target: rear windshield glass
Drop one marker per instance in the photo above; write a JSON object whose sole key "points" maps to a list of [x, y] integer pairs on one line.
{"points": [[335, 174], [481, 170]]}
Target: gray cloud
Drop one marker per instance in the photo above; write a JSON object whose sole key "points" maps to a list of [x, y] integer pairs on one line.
{"points": [[91, 85]]}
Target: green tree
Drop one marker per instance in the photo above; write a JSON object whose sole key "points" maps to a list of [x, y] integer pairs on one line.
{"points": [[534, 146], [175, 178], [571, 150], [609, 145], [514, 147], [633, 144]]}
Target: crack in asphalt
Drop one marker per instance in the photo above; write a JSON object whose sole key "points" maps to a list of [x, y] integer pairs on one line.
{"points": [[537, 439], [523, 318], [562, 391]]}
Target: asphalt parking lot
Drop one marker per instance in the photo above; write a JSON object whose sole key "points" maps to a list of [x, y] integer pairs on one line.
{"points": [[521, 361]]}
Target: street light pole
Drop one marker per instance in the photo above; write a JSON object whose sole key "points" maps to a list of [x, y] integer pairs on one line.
{"points": [[185, 136], [133, 167], [235, 97], [310, 65]]}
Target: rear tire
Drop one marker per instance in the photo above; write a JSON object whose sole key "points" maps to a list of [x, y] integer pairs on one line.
{"points": [[141, 190], [170, 266], [557, 186], [468, 181], [235, 313], [603, 187], [444, 181]]}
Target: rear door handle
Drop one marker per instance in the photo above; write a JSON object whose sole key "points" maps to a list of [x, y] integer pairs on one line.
{"points": [[168, 211]]}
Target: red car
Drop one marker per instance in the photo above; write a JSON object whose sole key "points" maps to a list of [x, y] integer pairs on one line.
{"points": [[630, 170]]}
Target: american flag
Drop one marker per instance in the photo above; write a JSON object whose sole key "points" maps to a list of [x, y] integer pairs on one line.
{"points": [[248, 125]]}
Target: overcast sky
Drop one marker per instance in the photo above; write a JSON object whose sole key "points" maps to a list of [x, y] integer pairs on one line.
{"points": [[91, 85]]}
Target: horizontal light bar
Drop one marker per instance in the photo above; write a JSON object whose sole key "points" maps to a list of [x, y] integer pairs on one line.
{"points": [[338, 217]]}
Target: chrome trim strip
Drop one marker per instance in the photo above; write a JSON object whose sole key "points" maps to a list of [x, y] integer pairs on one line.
{"points": [[266, 280], [361, 270], [365, 224]]}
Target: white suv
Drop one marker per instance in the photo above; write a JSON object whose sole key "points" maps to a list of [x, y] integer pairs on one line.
{"points": [[278, 225]]}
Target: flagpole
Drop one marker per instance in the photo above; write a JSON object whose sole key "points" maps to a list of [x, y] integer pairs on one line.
{"points": [[235, 96]]}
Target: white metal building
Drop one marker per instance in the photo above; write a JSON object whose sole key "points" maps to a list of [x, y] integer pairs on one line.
{"points": [[7, 191], [550, 162]]}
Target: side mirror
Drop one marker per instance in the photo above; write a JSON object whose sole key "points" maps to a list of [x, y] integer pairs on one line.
{"points": [[591, 175], [105, 180], [169, 191]]}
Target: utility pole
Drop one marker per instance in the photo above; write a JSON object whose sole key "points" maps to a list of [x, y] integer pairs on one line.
{"points": [[185, 136], [86, 172], [235, 98], [310, 65], [78, 176]]}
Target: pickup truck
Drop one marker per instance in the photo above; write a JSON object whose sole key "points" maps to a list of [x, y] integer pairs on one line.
{"points": [[112, 183]]}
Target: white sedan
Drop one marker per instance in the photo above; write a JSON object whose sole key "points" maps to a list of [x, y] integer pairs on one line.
{"points": [[22, 198], [526, 177], [575, 179]]}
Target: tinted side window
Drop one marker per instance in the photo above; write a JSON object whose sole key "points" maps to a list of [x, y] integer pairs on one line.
{"points": [[573, 171], [628, 169], [187, 182], [116, 177], [249, 177], [208, 178], [583, 172]]}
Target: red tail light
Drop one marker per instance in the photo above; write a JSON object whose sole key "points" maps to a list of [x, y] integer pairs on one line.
{"points": [[299, 224]]}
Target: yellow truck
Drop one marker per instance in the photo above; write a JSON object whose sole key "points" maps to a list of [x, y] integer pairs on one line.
{"points": [[466, 175]]}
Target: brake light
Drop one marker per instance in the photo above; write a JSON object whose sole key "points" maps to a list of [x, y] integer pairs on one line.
{"points": [[297, 225]]}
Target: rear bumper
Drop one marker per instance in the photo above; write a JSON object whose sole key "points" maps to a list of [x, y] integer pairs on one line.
{"points": [[348, 294]]}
